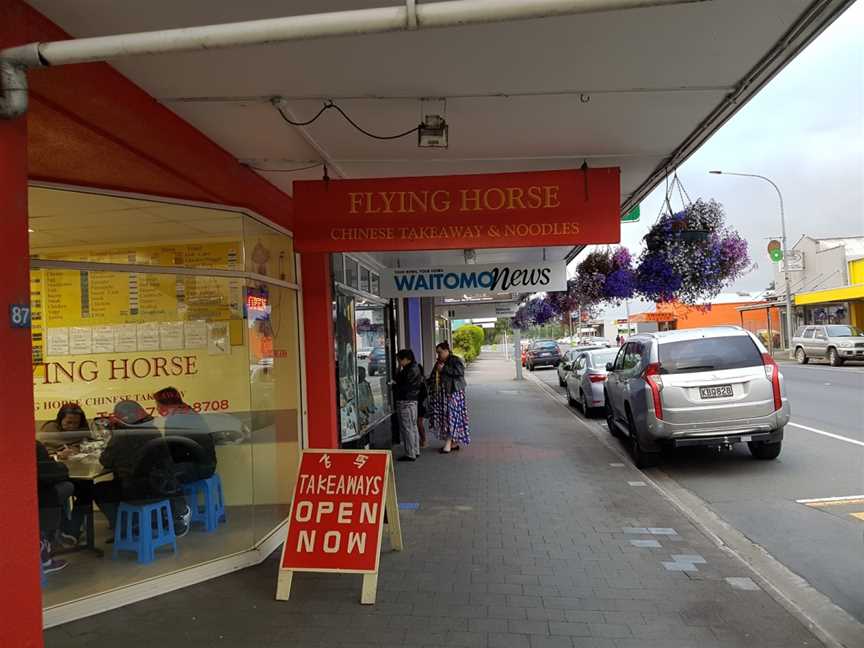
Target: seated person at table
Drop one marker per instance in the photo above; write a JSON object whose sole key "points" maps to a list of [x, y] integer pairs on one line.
{"points": [[69, 428], [54, 489], [143, 470], [193, 447]]}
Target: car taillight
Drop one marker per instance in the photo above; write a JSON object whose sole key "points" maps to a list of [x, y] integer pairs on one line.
{"points": [[596, 377], [772, 373], [655, 382]]}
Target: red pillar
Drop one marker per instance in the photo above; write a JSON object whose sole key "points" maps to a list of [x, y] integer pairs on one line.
{"points": [[20, 596], [321, 399]]}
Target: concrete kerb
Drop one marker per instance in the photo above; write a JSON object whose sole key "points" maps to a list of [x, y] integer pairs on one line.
{"points": [[832, 625]]}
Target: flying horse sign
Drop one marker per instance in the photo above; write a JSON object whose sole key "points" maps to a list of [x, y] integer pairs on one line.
{"points": [[545, 208]]}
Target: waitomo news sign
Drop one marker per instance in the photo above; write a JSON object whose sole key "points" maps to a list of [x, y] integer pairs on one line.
{"points": [[473, 279]]}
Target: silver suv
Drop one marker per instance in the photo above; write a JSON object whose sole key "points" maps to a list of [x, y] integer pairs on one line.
{"points": [[836, 342], [710, 387]]}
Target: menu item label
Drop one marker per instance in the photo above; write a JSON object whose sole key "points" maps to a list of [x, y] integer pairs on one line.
{"points": [[80, 340], [103, 339], [57, 341], [171, 335], [126, 338], [195, 334], [148, 336]]}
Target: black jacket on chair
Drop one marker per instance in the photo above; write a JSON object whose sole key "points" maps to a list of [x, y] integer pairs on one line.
{"points": [[409, 383]]}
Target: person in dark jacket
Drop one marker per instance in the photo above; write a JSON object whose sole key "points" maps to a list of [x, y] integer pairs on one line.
{"points": [[141, 462], [409, 384], [447, 400], [54, 489], [68, 429], [195, 459]]}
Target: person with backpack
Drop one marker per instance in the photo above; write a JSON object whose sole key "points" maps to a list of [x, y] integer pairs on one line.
{"points": [[143, 468]]}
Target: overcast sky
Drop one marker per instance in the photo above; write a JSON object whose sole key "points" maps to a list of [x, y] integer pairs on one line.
{"points": [[804, 130]]}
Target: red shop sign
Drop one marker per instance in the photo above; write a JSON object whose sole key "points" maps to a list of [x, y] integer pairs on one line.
{"points": [[542, 208], [337, 516]]}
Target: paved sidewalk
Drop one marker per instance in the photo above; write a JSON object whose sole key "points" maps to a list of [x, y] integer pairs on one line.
{"points": [[530, 538]]}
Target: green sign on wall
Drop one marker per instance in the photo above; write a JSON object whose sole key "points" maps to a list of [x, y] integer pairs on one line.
{"points": [[632, 216]]}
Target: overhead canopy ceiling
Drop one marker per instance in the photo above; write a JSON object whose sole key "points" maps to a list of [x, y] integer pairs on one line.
{"points": [[638, 89]]}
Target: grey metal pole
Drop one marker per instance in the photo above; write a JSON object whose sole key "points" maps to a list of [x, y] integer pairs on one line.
{"points": [[517, 351], [788, 289]]}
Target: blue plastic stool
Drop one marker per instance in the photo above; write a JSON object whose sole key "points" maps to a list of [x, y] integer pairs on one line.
{"points": [[212, 511], [155, 528]]}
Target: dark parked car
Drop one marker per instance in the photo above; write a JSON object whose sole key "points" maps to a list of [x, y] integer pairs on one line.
{"points": [[543, 353], [377, 361]]}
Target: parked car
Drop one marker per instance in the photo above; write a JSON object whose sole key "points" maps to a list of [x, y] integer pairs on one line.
{"points": [[698, 387], [543, 353], [569, 357], [836, 342], [377, 361], [586, 379]]}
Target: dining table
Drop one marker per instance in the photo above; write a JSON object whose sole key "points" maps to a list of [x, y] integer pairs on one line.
{"points": [[84, 470]]}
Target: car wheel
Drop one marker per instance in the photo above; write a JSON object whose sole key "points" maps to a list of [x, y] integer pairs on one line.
{"points": [[371, 372], [610, 419], [641, 458], [800, 356], [570, 400], [765, 451], [583, 404], [834, 358], [530, 367]]}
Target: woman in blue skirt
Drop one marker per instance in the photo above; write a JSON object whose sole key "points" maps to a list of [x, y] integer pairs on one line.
{"points": [[448, 409]]}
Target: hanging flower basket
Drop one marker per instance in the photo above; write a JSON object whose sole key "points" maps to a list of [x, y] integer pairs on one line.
{"points": [[694, 236]]}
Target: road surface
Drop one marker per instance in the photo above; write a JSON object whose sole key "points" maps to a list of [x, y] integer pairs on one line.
{"points": [[822, 461]]}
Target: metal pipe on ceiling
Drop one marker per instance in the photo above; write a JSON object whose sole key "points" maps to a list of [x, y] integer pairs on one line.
{"points": [[408, 17]]}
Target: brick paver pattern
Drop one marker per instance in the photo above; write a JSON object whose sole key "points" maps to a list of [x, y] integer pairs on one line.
{"points": [[523, 540]]}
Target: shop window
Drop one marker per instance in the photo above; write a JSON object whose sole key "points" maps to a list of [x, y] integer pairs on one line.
{"points": [[346, 368], [85, 227], [105, 344], [364, 280], [267, 251], [337, 268], [352, 272], [374, 362], [375, 284], [363, 365]]}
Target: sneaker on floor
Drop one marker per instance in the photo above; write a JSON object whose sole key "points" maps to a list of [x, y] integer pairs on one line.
{"points": [[69, 540], [182, 522], [54, 565], [180, 528], [44, 551]]}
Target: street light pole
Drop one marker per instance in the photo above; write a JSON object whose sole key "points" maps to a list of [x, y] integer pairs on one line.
{"points": [[789, 316]]}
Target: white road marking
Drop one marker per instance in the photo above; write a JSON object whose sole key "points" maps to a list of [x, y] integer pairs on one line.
{"points": [[828, 434], [819, 500]]}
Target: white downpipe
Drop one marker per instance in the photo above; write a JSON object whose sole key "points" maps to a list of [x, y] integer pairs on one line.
{"points": [[340, 23]]}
